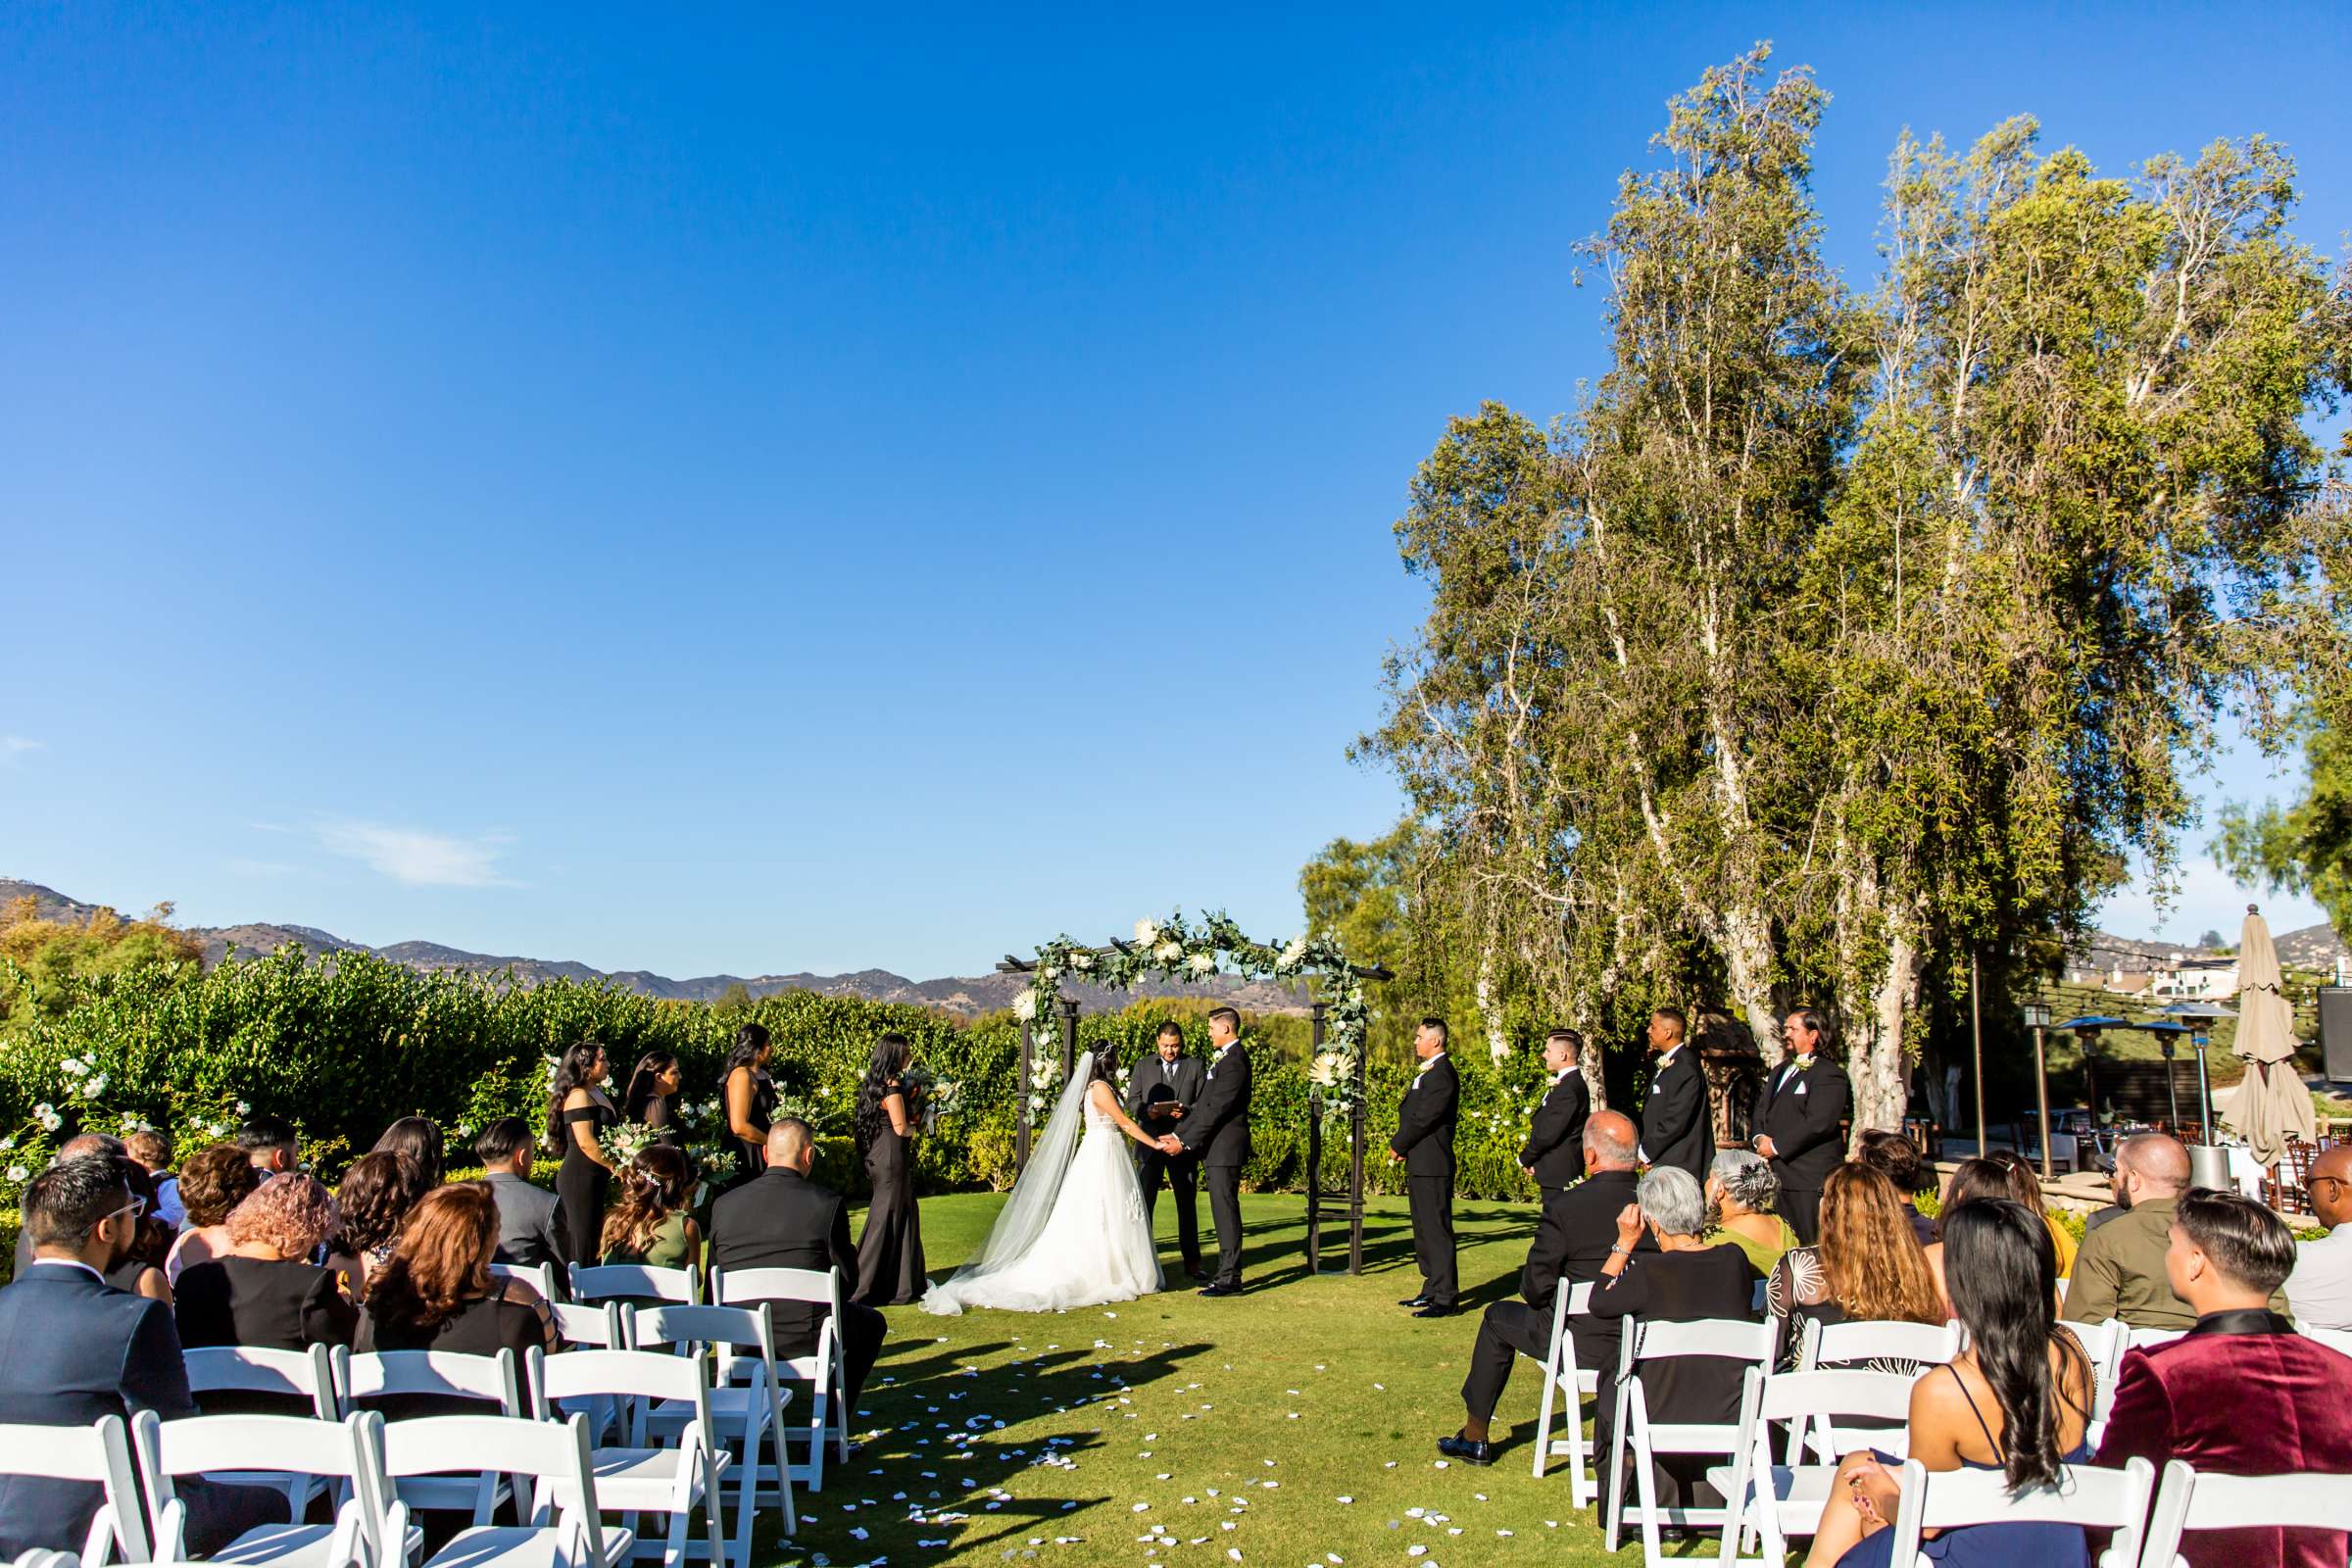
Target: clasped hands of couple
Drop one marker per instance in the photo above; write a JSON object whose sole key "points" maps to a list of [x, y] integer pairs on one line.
{"points": [[1169, 1143]]}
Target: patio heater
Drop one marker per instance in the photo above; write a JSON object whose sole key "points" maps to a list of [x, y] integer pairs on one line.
{"points": [[2168, 1046], [2037, 1018], [2199, 1017]]}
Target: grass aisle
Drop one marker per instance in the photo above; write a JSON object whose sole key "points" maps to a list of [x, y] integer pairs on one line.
{"points": [[1294, 1425]]}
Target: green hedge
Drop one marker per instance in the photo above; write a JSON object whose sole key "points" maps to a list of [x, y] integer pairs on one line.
{"points": [[342, 1050]]}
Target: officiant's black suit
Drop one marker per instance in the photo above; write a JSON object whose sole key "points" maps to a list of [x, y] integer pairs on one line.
{"points": [[1218, 1131], [1556, 1137], [1153, 1087], [1799, 1108], [1425, 1123]]}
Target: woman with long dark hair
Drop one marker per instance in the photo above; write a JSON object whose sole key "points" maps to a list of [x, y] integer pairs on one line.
{"points": [[577, 1111], [890, 1252], [2016, 1400], [376, 1197], [649, 1223], [751, 1100], [417, 1139], [653, 1091]]}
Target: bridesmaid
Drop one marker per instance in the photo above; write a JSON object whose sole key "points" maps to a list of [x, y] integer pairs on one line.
{"points": [[751, 1100], [652, 1096], [890, 1255], [577, 1111]]}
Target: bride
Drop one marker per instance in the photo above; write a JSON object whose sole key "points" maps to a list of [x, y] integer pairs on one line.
{"points": [[1073, 1234]]}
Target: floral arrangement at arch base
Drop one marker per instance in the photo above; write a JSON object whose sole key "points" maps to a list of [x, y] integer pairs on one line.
{"points": [[1174, 950]]}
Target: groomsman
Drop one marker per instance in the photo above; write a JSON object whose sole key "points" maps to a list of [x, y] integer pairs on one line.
{"points": [[1552, 1153], [1424, 1141], [1160, 1093], [1217, 1129], [1676, 1128], [1796, 1120]]}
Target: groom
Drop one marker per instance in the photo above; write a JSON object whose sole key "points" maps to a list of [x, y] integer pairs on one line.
{"points": [[1218, 1131]]}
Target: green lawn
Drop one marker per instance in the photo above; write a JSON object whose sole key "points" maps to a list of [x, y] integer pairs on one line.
{"points": [[1294, 1424]]}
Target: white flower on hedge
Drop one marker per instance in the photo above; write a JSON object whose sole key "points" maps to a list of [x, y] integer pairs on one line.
{"points": [[94, 1088], [7, 1144], [1202, 962], [1024, 1006], [72, 1067], [46, 1114], [244, 1108], [1147, 933], [16, 1173]]}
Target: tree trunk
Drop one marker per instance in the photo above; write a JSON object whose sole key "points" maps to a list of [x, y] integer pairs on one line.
{"points": [[1879, 1066]]}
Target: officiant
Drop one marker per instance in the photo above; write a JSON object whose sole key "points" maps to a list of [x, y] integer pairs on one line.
{"points": [[1160, 1093]]}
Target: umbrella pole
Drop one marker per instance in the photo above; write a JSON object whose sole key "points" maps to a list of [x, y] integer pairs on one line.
{"points": [[1975, 1036], [2204, 1093]]}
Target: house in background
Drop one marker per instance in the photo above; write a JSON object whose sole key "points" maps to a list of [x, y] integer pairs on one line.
{"points": [[2187, 979]]}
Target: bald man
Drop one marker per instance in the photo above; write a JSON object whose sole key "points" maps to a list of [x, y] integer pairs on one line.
{"points": [[2319, 1290], [2120, 1271]]}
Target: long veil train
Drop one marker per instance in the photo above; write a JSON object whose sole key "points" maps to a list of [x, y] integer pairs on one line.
{"points": [[1026, 1214]]}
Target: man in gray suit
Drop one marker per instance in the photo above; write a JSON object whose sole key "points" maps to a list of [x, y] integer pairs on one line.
{"points": [[1160, 1093], [530, 1219]]}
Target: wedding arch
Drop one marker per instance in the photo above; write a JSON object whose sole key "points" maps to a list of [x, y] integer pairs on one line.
{"points": [[1173, 949]]}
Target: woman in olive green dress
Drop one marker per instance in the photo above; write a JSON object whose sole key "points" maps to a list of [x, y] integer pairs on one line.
{"points": [[650, 1222], [1743, 1194]]}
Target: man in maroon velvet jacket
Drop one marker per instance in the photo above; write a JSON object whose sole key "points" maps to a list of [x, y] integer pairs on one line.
{"points": [[2241, 1394]]}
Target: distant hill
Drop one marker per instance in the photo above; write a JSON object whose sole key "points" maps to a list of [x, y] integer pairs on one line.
{"points": [[963, 996], [2310, 947]]}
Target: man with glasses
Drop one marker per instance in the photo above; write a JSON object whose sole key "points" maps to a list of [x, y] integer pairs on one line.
{"points": [[73, 1348], [2319, 1290]]}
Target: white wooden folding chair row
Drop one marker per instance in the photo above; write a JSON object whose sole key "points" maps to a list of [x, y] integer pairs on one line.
{"points": [[1779, 1502], [2337, 1340], [98, 1453], [824, 1369], [2086, 1495], [747, 1405], [306, 1375], [540, 1276], [634, 1475], [488, 1379], [1846, 1344], [42, 1558], [1566, 1383], [637, 1282], [240, 1450], [1634, 1434], [2103, 1343], [562, 1528], [2190, 1499]]}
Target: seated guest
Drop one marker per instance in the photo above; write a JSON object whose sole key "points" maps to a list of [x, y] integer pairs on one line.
{"points": [[1896, 1157], [214, 1181], [781, 1219], [648, 1222], [417, 1139], [269, 1141], [530, 1218], [2120, 1270], [375, 1197], [1971, 1179], [72, 1348], [2241, 1394], [81, 1146], [153, 1151], [2025, 1185], [1744, 1196], [2320, 1288], [436, 1293], [1867, 1268], [1573, 1239], [1685, 1279], [141, 1267], [266, 1293], [2016, 1400]]}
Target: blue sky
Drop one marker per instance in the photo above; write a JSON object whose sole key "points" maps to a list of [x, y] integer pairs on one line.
{"points": [[762, 491]]}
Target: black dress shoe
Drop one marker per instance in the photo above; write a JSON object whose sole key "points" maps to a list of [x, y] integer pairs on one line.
{"points": [[1199, 1276], [1416, 1301], [1435, 1311], [1460, 1448], [1220, 1290]]}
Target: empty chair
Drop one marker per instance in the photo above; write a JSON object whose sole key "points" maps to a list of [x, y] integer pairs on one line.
{"points": [[823, 1367], [635, 1282], [1783, 1501], [347, 1452], [636, 1473], [98, 1454], [1565, 1381], [2086, 1495], [747, 1410], [2191, 1499], [412, 1384], [1727, 1339], [553, 1455]]}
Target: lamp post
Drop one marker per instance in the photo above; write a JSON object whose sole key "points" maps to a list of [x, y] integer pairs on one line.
{"points": [[2037, 1018], [1975, 1042]]}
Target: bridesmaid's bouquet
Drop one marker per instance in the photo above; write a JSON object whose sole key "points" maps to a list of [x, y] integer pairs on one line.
{"points": [[622, 1142]]}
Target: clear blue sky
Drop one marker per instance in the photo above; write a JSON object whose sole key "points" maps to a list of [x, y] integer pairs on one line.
{"points": [[756, 492]]}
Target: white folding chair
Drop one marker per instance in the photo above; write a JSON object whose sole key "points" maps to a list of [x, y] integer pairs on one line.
{"points": [[553, 1454], [605, 1282], [635, 1475], [306, 1374], [596, 1326], [98, 1453], [2149, 1339], [1844, 1344], [487, 1378], [246, 1446], [540, 1276], [2104, 1343], [750, 1411], [1724, 1339], [43, 1557], [826, 1369], [2086, 1495], [2190, 1499], [1784, 1501], [1566, 1382], [2338, 1339]]}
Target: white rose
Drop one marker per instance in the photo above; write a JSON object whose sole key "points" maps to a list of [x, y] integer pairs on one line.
{"points": [[1024, 1006], [1052, 972], [1202, 962], [1147, 933], [1168, 952], [1081, 962], [1294, 954]]}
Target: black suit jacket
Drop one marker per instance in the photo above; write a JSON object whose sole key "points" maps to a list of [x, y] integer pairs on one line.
{"points": [[1676, 1128], [1160, 1083], [1218, 1128], [530, 1226], [1556, 1137], [781, 1219], [1801, 1116], [73, 1348], [1573, 1236], [1424, 1120]]}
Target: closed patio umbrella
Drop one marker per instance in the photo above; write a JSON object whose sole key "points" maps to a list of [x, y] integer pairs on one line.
{"points": [[2272, 1104]]}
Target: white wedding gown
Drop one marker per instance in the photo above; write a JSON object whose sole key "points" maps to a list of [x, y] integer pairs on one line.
{"points": [[1091, 1247]]}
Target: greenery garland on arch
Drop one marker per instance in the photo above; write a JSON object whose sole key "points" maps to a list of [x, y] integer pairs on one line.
{"points": [[1173, 950]]}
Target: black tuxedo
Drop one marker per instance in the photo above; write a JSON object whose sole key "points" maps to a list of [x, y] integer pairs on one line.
{"points": [[1555, 1138], [781, 1219], [1157, 1086], [1677, 1127], [1425, 1123], [1799, 1110], [1218, 1131], [73, 1348], [1572, 1238]]}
